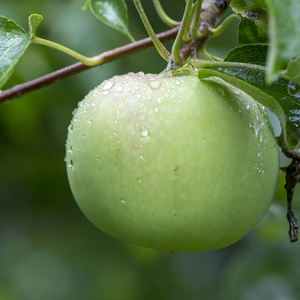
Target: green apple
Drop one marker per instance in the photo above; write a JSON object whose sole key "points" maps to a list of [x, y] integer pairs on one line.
{"points": [[172, 162]]}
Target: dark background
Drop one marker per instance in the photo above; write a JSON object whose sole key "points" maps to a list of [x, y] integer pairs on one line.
{"points": [[48, 249]]}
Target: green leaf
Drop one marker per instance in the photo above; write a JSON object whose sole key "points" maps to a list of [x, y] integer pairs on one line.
{"points": [[250, 33], [112, 13], [262, 3], [293, 69], [285, 92], [13, 43], [253, 26], [284, 34], [34, 21], [252, 54]]}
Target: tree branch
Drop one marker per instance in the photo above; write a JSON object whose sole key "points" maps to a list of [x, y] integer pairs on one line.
{"points": [[212, 10], [107, 56]]}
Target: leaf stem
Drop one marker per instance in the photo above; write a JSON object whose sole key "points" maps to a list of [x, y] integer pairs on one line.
{"points": [[218, 30], [183, 27], [164, 53], [196, 20], [88, 61], [162, 14], [200, 63]]}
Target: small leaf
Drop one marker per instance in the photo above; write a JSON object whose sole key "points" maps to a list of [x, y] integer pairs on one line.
{"points": [[34, 21], [284, 34], [293, 69], [253, 26], [112, 13], [252, 54], [13, 43], [250, 33], [262, 3]]}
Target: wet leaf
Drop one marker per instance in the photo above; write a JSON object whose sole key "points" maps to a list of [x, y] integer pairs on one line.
{"points": [[112, 13], [13, 43], [284, 35], [282, 97], [293, 70]]}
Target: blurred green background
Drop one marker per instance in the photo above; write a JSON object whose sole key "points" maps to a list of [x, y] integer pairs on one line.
{"points": [[48, 249]]}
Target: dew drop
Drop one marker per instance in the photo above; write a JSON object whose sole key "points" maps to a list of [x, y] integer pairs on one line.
{"points": [[107, 85], [158, 100], [220, 91], [141, 155], [139, 179], [70, 128], [123, 200], [293, 91], [90, 120], [105, 92], [154, 84], [144, 131], [120, 89]]}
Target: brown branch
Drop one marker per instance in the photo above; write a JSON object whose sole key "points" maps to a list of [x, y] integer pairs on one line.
{"points": [[23, 88], [212, 10]]}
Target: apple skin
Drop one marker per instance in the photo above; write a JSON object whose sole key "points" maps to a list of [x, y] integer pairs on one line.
{"points": [[175, 163]]}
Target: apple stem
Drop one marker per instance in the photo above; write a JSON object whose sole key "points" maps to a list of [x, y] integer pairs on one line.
{"points": [[164, 53], [163, 16]]}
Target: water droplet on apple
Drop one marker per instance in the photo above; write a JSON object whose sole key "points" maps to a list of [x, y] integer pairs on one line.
{"points": [[105, 92], [90, 120], [70, 165], [120, 89], [107, 85], [70, 128], [144, 131], [123, 200], [158, 100], [140, 74], [220, 91], [154, 84]]}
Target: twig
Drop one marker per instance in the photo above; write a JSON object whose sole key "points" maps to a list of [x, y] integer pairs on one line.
{"points": [[292, 178], [24, 88], [212, 10]]}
